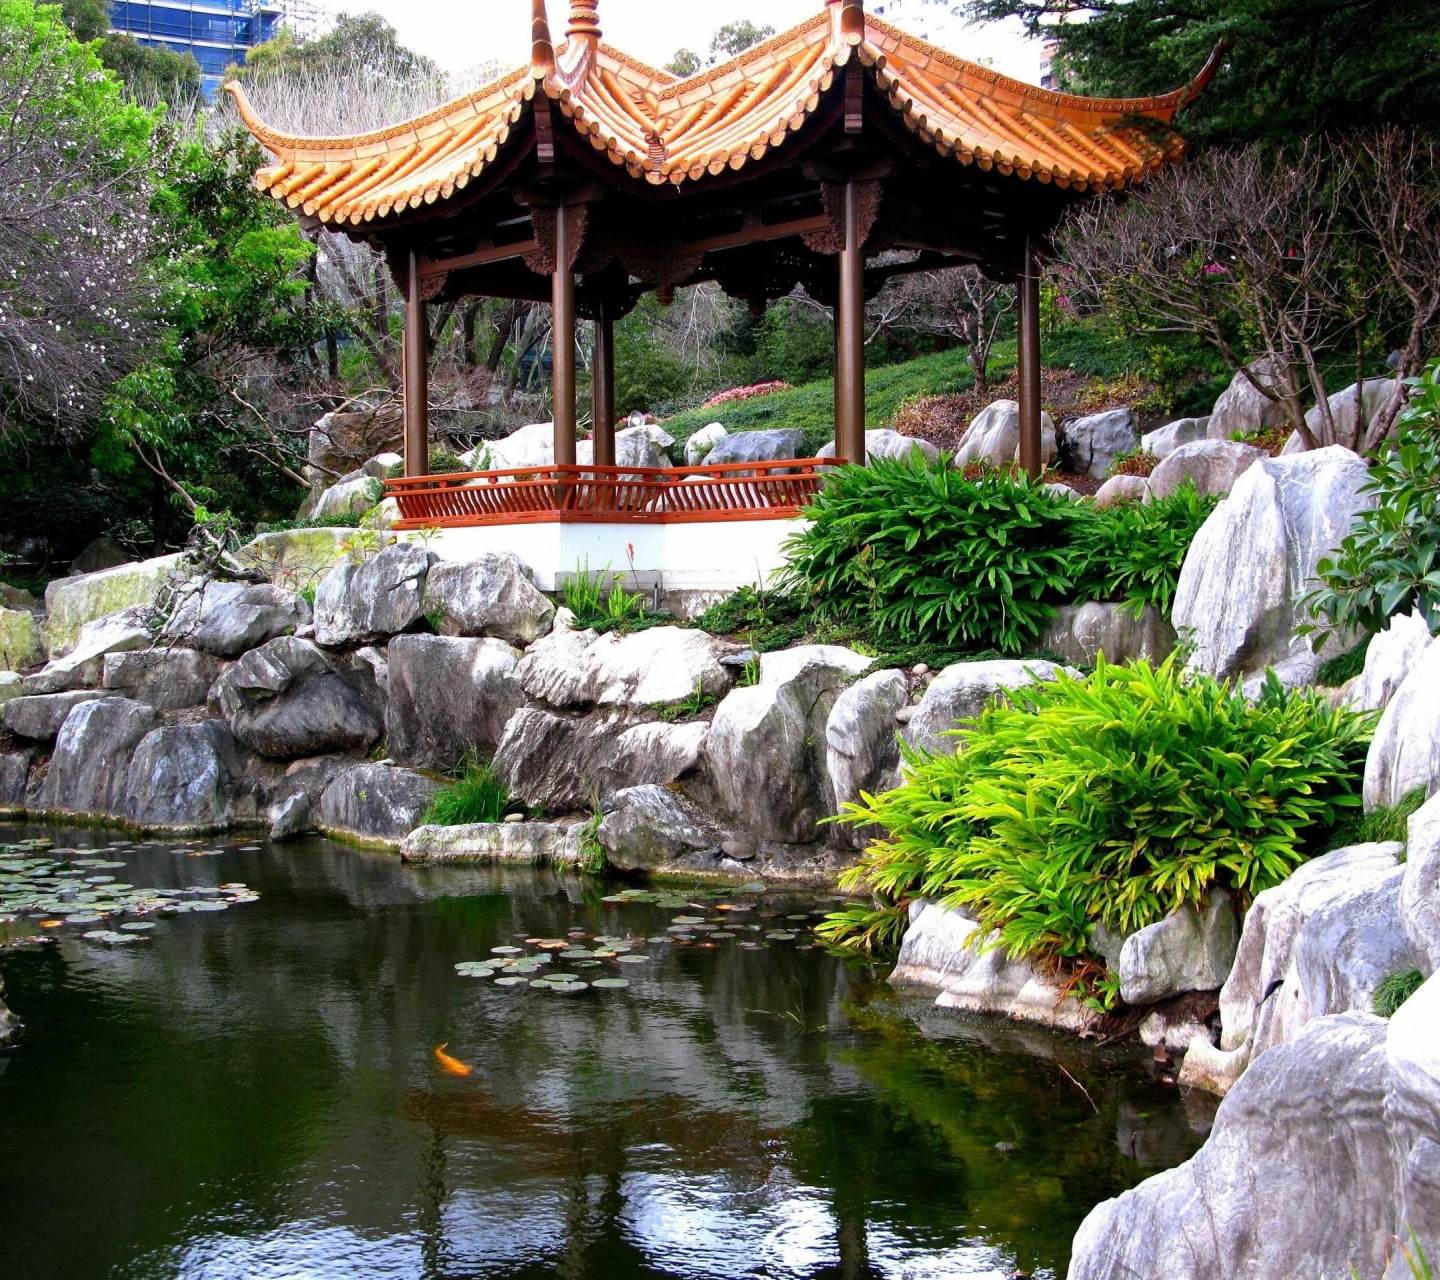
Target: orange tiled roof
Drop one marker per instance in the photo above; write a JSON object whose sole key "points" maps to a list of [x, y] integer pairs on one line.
{"points": [[664, 130]]}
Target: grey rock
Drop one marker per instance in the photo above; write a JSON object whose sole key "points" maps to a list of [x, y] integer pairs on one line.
{"points": [[376, 803], [384, 466], [103, 553], [184, 777], [759, 446], [491, 595], [14, 779], [1404, 754], [650, 752], [650, 826], [368, 603], [1090, 444], [20, 646], [766, 751], [12, 685], [231, 618], [296, 558], [1215, 466], [72, 602], [960, 692], [646, 447], [88, 771], [1187, 951], [1350, 427], [663, 666], [993, 436], [535, 844], [698, 446], [530, 446], [449, 696], [1210, 1068], [1242, 407], [167, 679], [890, 445], [1420, 887], [1254, 560], [39, 718], [1412, 1110], [83, 666], [862, 746], [294, 816], [1174, 1028], [340, 442], [1391, 657], [347, 498], [1080, 633], [1122, 489], [1163, 441]]}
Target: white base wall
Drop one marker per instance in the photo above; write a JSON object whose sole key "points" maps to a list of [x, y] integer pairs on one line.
{"points": [[719, 557]]}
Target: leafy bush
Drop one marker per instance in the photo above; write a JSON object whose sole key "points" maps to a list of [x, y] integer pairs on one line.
{"points": [[1381, 825], [1396, 989], [1111, 800], [599, 602], [477, 795], [1341, 670], [1138, 462], [1389, 563]]}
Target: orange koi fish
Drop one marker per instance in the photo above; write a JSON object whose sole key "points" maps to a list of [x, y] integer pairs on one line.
{"points": [[448, 1064]]}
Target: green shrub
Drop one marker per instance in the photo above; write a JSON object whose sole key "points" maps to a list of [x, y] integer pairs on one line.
{"points": [[765, 620], [1111, 800], [600, 603], [1396, 989], [442, 463], [1389, 563], [477, 795], [1384, 824], [1337, 671]]}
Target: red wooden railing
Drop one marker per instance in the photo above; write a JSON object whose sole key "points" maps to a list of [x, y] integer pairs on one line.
{"points": [[619, 495]]}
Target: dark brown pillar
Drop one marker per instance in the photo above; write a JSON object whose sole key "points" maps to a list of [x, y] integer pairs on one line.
{"points": [[562, 341], [603, 382], [416, 375], [850, 338], [1029, 324]]}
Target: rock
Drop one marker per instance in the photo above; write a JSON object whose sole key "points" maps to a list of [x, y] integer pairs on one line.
{"points": [[1346, 901], [536, 844], [650, 753], [39, 718], [1350, 430], [83, 666], [376, 803], [889, 445], [294, 816], [1064, 491], [297, 558], [1243, 408], [960, 692], [1163, 441], [385, 466], [942, 949], [285, 700], [993, 436], [103, 553], [1214, 465], [862, 746], [1122, 489], [766, 750], [72, 602], [1404, 755], [1420, 888], [1090, 444], [1177, 1024], [367, 603], [491, 595], [663, 666], [698, 446], [449, 696], [530, 446], [646, 447], [759, 446], [230, 618], [649, 826], [343, 442], [167, 679], [1296, 1180], [1391, 657], [1184, 952], [1294, 443], [11, 686], [20, 646], [1412, 1110], [1212, 1069], [183, 778], [1080, 633], [1254, 560], [87, 773], [14, 779]]}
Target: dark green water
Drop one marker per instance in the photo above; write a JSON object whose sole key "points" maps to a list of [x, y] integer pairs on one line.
{"points": [[253, 1095]]}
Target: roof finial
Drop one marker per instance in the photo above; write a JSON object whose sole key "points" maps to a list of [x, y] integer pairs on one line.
{"points": [[584, 20], [852, 21], [542, 48]]}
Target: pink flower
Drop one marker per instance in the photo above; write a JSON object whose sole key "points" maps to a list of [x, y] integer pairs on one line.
{"points": [[1214, 269]]}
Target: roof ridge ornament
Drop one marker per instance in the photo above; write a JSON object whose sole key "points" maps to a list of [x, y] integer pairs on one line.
{"points": [[584, 20], [542, 48]]}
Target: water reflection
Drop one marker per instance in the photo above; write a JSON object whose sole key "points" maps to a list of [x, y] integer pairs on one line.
{"points": [[252, 1094]]}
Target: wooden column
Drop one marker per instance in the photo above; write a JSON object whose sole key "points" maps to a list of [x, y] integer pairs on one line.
{"points": [[603, 383], [416, 375], [562, 340], [1028, 317], [850, 338]]}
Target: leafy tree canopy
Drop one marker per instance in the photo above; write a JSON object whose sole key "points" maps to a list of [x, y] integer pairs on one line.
{"points": [[1297, 67], [360, 45], [735, 37]]}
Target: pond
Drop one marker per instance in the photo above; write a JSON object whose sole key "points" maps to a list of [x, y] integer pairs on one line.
{"points": [[255, 1092]]}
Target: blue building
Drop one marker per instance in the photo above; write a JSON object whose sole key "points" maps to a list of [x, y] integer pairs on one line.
{"points": [[219, 33]]}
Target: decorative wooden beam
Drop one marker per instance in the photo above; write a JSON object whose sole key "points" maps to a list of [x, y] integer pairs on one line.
{"points": [[603, 386], [480, 258]]}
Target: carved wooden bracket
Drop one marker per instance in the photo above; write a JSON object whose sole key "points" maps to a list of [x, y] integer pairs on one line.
{"points": [[832, 195], [431, 287], [542, 217], [665, 272]]}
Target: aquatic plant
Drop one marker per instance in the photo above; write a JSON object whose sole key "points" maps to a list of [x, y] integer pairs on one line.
{"points": [[476, 796]]}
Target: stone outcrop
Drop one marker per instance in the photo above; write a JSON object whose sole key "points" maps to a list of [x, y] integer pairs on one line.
{"points": [[1350, 427], [760, 446], [297, 558], [1420, 888], [491, 595], [1187, 951], [536, 844], [83, 666], [1404, 755], [646, 447], [1079, 633], [1090, 444], [20, 646], [960, 692], [699, 446], [230, 618], [1254, 560], [342, 442], [1412, 1112], [72, 602], [1163, 441], [890, 445], [89, 770], [39, 718], [993, 436], [1213, 466], [370, 602], [1391, 657], [862, 746], [166, 679], [183, 778], [449, 696], [376, 803], [14, 779], [1244, 408], [530, 446], [649, 826]]}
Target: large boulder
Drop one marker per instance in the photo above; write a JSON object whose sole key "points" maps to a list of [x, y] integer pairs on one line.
{"points": [[1079, 633], [944, 947], [1412, 1110], [285, 700], [1254, 560], [376, 803], [1122, 489], [102, 553], [12, 685], [1297, 1179], [14, 779], [39, 718], [1404, 755], [766, 750], [1243, 408], [648, 826], [167, 679], [663, 666], [297, 558], [889, 445], [699, 446], [350, 498], [960, 692], [491, 595], [72, 602], [1350, 427], [1189, 950], [184, 777], [1213, 466], [862, 746], [20, 646], [83, 666], [993, 436], [530, 446], [370, 602], [1090, 444], [774, 445], [342, 441], [88, 771], [535, 844], [1391, 657], [646, 447], [1420, 887], [449, 696], [1163, 441], [231, 618]]}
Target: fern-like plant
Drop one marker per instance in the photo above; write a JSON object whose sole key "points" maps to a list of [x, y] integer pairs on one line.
{"points": [[475, 796]]}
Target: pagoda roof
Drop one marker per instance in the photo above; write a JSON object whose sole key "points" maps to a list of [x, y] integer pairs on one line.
{"points": [[663, 130]]}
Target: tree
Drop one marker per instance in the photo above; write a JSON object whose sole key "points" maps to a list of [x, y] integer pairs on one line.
{"points": [[88, 20], [961, 304], [153, 75], [734, 38], [362, 47], [686, 62], [1297, 67]]}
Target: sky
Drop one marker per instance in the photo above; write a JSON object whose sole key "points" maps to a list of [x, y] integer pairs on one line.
{"points": [[459, 34]]}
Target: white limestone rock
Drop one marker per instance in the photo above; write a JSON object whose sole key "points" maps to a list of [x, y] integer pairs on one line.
{"points": [[1122, 489], [1391, 657], [862, 746], [1214, 466], [960, 692], [889, 445], [184, 778], [774, 445], [1420, 887], [649, 826], [296, 558], [1243, 408], [87, 773], [347, 498], [367, 603], [1404, 755], [20, 646], [1163, 441], [38, 717], [1412, 1111], [531, 446], [698, 446], [1080, 633], [993, 436], [492, 595], [230, 618], [72, 602], [376, 803], [534, 844], [1350, 428], [662, 666], [84, 665], [1187, 951], [448, 696]]}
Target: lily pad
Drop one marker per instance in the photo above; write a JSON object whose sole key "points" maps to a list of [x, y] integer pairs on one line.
{"points": [[632, 959], [569, 988], [507, 951], [512, 981], [138, 926], [610, 984]]}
